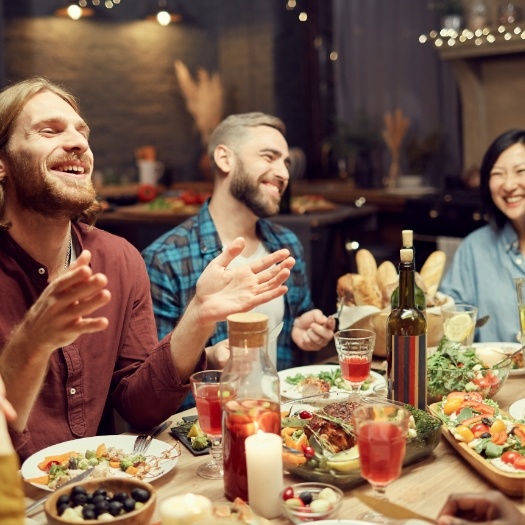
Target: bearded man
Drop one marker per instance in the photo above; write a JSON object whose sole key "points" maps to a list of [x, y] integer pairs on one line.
{"points": [[250, 160], [61, 365]]}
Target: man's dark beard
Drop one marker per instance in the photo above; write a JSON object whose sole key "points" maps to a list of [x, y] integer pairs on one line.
{"points": [[39, 192], [248, 192]]}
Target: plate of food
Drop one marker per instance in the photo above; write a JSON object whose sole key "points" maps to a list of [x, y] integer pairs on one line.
{"points": [[517, 409], [319, 444], [305, 381], [110, 455], [518, 364], [488, 438]]}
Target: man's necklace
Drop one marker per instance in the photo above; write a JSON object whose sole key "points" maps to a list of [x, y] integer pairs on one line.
{"points": [[68, 254]]}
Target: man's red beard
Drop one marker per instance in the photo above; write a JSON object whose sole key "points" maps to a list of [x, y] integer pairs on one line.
{"points": [[45, 194]]}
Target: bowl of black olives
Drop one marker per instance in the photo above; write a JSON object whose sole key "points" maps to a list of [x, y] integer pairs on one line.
{"points": [[125, 501]]}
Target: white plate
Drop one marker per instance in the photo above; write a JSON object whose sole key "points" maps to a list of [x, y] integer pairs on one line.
{"points": [[505, 347], [517, 409], [30, 468], [290, 391]]}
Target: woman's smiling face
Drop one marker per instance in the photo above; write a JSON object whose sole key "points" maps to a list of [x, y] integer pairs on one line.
{"points": [[507, 182]]}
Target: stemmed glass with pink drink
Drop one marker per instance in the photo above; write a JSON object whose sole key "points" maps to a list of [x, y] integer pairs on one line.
{"points": [[205, 388], [355, 348], [381, 431]]}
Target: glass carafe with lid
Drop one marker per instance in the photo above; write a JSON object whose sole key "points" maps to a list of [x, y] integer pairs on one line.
{"points": [[250, 396]]}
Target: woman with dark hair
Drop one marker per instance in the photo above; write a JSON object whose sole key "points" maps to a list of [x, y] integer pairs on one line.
{"points": [[487, 261]]}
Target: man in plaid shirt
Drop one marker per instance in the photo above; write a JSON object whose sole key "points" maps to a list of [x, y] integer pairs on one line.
{"points": [[250, 160]]}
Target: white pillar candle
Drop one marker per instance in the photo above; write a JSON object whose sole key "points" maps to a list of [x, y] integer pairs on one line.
{"points": [[264, 462], [185, 509]]}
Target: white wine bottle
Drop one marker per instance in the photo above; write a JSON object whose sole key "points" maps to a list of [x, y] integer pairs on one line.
{"points": [[421, 303], [407, 341]]}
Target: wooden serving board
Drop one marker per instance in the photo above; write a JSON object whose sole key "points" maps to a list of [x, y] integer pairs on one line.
{"points": [[508, 482]]}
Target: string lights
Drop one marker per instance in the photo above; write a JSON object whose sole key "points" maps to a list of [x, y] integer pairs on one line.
{"points": [[468, 38], [80, 9]]}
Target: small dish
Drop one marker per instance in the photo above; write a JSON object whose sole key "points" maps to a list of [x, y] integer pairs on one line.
{"points": [[306, 511], [517, 409]]}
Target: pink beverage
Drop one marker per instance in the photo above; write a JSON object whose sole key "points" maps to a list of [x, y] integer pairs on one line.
{"points": [[208, 404], [242, 418], [355, 368], [381, 451]]}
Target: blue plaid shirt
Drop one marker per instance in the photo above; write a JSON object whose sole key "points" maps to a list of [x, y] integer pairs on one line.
{"points": [[176, 260]]}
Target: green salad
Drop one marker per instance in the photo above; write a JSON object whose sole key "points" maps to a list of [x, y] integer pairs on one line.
{"points": [[333, 377], [452, 367]]}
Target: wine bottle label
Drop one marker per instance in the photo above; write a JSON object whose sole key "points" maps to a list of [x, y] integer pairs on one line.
{"points": [[408, 370]]}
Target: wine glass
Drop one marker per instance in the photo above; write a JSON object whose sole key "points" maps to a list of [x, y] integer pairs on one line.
{"points": [[381, 430], [205, 388], [355, 348]]}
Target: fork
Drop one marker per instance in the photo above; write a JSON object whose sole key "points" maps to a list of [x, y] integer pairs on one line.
{"points": [[143, 441], [340, 304]]}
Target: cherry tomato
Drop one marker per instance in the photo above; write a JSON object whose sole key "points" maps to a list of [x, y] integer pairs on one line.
{"points": [[51, 463], [474, 396], [146, 192], [497, 426], [452, 405], [519, 463], [510, 456], [465, 433], [478, 429], [308, 451], [304, 414], [288, 493]]}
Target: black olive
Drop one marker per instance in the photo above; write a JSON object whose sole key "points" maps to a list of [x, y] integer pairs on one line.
{"points": [[486, 421], [141, 495], [115, 507], [62, 508], [99, 492], [306, 497], [89, 514], [78, 490], [79, 499], [99, 497], [121, 496], [89, 506], [129, 504], [101, 506], [63, 499], [485, 435], [72, 463]]}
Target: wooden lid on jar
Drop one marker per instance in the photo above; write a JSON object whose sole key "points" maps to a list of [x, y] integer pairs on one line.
{"points": [[248, 329]]}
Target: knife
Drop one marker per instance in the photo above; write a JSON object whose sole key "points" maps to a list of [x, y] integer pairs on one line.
{"points": [[80, 477], [389, 509]]}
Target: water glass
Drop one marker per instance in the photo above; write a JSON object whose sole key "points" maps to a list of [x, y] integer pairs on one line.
{"points": [[459, 323]]}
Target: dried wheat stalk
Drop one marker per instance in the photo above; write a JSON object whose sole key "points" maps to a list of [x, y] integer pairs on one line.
{"points": [[203, 98], [394, 132]]}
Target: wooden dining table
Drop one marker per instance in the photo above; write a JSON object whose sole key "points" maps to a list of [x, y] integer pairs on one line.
{"points": [[423, 486]]}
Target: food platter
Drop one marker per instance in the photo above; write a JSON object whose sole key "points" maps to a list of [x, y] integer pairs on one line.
{"points": [[155, 455], [512, 484], [290, 391], [350, 476]]}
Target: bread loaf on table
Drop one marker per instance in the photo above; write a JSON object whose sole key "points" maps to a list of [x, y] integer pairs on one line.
{"points": [[386, 279], [366, 264], [432, 271]]}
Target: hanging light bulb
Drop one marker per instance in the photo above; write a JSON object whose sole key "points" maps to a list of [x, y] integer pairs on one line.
{"points": [[75, 11], [163, 15]]}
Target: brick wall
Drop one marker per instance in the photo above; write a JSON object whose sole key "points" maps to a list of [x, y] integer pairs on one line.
{"points": [[122, 71]]}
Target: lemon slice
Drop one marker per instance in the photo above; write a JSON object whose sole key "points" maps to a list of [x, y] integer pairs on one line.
{"points": [[195, 430], [345, 461], [458, 327]]}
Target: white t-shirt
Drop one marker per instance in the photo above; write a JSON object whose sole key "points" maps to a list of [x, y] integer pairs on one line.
{"points": [[273, 309]]}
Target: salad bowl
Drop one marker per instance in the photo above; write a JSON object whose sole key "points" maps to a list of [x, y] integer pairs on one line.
{"points": [[451, 367]]}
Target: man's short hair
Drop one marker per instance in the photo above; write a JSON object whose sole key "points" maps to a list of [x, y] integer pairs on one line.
{"points": [[232, 130]]}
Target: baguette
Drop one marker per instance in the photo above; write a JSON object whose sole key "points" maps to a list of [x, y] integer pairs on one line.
{"points": [[345, 289], [386, 274], [432, 271], [366, 291], [366, 264]]}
